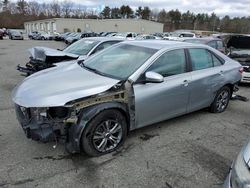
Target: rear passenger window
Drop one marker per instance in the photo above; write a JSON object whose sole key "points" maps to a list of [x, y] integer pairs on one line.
{"points": [[170, 63], [200, 58], [216, 61]]}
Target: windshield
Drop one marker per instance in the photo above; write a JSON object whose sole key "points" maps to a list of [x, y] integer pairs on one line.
{"points": [[119, 61], [81, 47]]}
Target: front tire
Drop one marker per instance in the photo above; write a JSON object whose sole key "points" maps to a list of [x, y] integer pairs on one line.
{"points": [[105, 133], [221, 100]]}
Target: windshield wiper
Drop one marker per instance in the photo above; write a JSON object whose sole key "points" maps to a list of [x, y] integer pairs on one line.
{"points": [[81, 63]]}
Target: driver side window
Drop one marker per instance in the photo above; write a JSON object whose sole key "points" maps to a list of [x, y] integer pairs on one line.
{"points": [[170, 63]]}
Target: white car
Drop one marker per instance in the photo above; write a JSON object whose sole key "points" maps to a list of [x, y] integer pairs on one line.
{"points": [[179, 36], [245, 75]]}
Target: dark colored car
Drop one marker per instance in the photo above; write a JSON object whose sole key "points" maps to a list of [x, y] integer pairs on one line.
{"points": [[212, 42], [33, 34], [61, 36], [43, 58], [239, 50]]}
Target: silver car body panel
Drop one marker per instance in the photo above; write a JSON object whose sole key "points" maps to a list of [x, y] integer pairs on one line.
{"points": [[59, 85], [40, 53]]}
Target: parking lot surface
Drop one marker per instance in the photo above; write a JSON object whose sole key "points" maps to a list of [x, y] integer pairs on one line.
{"points": [[195, 150]]}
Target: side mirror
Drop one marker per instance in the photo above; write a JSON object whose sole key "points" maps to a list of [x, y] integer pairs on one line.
{"points": [[82, 58], [153, 77]]}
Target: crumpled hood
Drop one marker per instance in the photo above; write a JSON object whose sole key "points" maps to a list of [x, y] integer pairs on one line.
{"points": [[40, 53], [58, 85], [246, 154]]}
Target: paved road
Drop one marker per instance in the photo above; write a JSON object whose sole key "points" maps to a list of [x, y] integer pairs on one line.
{"points": [[194, 150]]}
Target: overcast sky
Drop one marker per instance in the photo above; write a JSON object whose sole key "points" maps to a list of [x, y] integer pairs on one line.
{"points": [[220, 7]]}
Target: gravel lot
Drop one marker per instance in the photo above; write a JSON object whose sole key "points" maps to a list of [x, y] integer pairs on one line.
{"points": [[194, 150]]}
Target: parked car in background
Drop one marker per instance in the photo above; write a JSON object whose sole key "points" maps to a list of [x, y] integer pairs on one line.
{"points": [[33, 34], [77, 36], [73, 38], [61, 37], [178, 36], [89, 34], [212, 42], [105, 34], [239, 50], [93, 104], [15, 35], [127, 35], [44, 36], [239, 175], [43, 58], [147, 37]]}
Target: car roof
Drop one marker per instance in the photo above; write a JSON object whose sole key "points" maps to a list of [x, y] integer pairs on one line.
{"points": [[160, 44]]}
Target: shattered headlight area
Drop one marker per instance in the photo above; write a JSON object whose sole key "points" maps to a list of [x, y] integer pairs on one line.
{"points": [[43, 124]]}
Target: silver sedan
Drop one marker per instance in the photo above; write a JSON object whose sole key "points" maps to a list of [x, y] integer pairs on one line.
{"points": [[93, 104]]}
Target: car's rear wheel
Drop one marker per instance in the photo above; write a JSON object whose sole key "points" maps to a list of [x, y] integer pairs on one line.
{"points": [[105, 133], [221, 100]]}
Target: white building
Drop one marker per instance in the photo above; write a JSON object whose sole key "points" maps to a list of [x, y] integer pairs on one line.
{"points": [[62, 25]]}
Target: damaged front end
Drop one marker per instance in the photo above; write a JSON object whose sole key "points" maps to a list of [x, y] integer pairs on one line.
{"points": [[239, 49], [66, 124], [42, 58], [43, 124]]}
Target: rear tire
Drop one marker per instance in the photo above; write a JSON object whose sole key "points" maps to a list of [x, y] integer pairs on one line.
{"points": [[221, 100], [105, 133]]}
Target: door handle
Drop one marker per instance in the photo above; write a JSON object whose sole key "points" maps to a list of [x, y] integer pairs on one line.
{"points": [[185, 83], [221, 73]]}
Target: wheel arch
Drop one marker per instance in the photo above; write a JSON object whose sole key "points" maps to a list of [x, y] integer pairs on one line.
{"points": [[85, 116]]}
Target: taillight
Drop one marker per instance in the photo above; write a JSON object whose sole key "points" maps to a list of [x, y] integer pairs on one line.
{"points": [[241, 70]]}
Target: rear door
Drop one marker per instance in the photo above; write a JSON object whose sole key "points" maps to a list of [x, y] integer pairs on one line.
{"points": [[207, 77]]}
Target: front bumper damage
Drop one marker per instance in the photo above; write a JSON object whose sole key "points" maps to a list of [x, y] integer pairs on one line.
{"points": [[43, 124]]}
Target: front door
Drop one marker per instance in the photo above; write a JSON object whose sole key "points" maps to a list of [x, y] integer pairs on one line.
{"points": [[156, 102]]}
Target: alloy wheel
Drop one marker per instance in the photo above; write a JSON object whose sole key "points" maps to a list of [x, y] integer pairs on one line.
{"points": [[107, 135]]}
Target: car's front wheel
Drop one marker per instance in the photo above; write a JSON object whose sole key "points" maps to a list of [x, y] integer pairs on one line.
{"points": [[105, 133], [221, 100]]}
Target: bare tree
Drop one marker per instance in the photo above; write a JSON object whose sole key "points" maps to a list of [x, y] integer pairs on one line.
{"points": [[66, 8], [22, 6], [55, 8], [34, 8]]}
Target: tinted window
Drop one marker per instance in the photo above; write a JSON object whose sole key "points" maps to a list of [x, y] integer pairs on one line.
{"points": [[186, 35], [170, 63], [201, 59], [213, 44]]}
